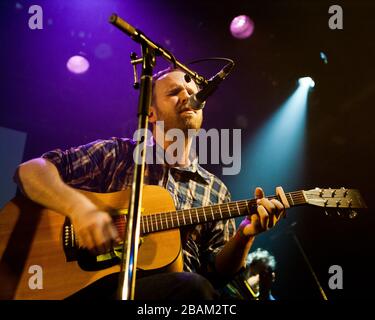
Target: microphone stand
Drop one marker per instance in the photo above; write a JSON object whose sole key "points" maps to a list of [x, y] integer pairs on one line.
{"points": [[127, 277], [321, 291], [131, 243]]}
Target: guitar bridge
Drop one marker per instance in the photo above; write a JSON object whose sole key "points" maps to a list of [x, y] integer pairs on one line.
{"points": [[69, 242]]}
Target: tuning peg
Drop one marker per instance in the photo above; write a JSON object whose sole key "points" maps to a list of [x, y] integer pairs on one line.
{"points": [[347, 213], [345, 191], [321, 192], [353, 214], [329, 212]]}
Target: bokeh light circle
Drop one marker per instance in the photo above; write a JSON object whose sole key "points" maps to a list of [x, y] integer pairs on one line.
{"points": [[78, 64], [242, 27]]}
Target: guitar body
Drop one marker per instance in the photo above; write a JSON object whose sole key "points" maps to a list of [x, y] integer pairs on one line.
{"points": [[38, 247], [31, 235]]}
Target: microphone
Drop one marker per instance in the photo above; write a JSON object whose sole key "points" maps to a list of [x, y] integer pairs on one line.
{"points": [[198, 100]]}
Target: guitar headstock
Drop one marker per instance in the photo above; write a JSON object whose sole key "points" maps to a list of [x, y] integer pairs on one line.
{"points": [[339, 199]]}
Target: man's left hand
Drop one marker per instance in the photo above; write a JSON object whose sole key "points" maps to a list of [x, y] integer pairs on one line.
{"points": [[269, 212]]}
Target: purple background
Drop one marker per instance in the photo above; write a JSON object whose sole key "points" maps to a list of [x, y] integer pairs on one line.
{"points": [[58, 109]]}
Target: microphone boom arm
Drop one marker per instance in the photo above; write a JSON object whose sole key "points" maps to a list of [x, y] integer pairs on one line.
{"points": [[141, 38]]}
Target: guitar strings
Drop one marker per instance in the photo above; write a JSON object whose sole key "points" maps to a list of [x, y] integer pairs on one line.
{"points": [[201, 212], [176, 217]]}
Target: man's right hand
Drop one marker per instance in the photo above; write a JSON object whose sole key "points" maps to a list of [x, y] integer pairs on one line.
{"points": [[40, 180], [94, 230]]}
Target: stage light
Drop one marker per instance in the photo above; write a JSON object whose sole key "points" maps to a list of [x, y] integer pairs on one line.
{"points": [[242, 27], [78, 64], [274, 155], [323, 57], [306, 82]]}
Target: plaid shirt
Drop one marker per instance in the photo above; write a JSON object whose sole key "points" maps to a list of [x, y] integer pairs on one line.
{"points": [[108, 166]]}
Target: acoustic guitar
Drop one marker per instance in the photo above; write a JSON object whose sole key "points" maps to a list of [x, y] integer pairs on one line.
{"points": [[34, 239]]}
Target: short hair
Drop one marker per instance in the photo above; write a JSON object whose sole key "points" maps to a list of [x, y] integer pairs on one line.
{"points": [[157, 76], [260, 256], [163, 72]]}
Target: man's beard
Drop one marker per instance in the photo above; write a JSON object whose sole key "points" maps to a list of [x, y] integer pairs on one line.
{"points": [[190, 123], [183, 123]]}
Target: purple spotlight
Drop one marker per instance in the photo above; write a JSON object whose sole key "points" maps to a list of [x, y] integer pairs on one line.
{"points": [[242, 27], [78, 64]]}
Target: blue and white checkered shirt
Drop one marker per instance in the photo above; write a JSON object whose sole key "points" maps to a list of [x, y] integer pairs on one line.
{"points": [[108, 166]]}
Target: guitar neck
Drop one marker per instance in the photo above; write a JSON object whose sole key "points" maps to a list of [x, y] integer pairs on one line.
{"points": [[176, 219]]}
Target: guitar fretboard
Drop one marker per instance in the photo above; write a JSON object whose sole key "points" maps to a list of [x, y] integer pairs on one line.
{"points": [[174, 219]]}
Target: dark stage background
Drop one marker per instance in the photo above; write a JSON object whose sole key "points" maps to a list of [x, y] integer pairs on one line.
{"points": [[58, 109]]}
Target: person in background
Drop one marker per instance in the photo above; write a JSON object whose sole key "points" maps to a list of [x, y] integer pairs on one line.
{"points": [[255, 280]]}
